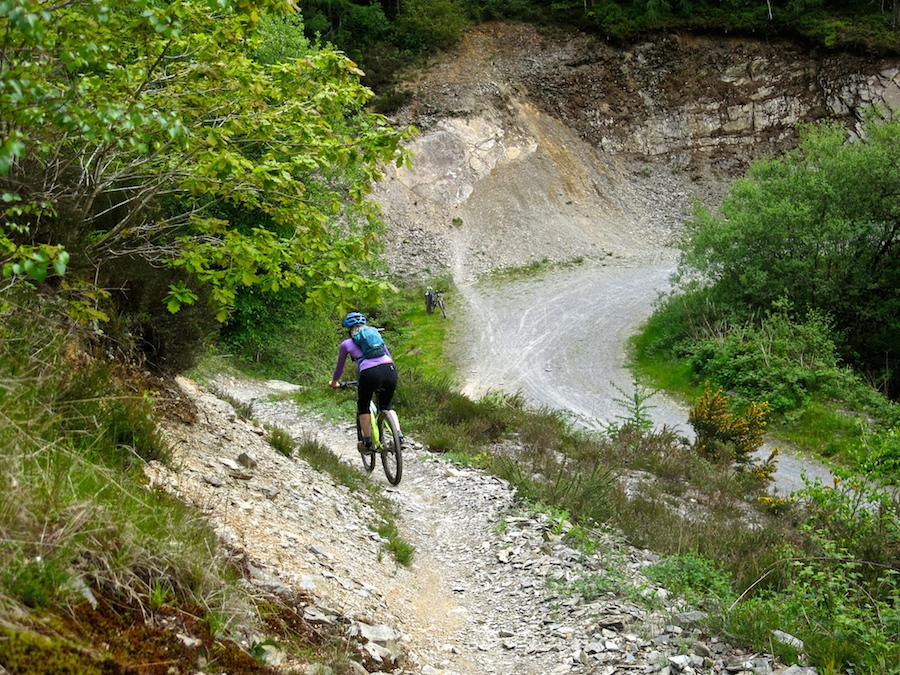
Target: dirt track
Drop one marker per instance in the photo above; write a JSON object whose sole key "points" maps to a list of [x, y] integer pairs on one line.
{"points": [[560, 340]]}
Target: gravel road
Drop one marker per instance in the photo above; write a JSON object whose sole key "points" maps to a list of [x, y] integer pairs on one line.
{"points": [[559, 339]]}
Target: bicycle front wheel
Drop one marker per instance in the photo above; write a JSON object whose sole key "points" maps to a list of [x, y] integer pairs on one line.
{"points": [[391, 452], [441, 305]]}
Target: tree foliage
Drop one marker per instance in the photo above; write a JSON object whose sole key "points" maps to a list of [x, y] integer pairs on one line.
{"points": [[783, 359], [146, 130], [819, 227]]}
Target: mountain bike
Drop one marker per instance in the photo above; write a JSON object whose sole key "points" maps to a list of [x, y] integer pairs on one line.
{"points": [[385, 437], [434, 299]]}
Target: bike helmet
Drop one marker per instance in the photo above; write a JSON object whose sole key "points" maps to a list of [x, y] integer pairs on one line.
{"points": [[354, 319]]}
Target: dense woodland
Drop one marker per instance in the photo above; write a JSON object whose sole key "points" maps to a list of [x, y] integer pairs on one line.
{"points": [[384, 36]]}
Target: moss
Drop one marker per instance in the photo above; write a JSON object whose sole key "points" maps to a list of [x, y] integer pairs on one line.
{"points": [[117, 639], [151, 646], [24, 652]]}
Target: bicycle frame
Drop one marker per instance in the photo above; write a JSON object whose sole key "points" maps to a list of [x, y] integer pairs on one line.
{"points": [[373, 421]]}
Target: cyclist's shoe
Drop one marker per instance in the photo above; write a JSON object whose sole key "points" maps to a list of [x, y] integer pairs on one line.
{"points": [[360, 446]]}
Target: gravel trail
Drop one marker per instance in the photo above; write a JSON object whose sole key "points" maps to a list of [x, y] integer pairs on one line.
{"points": [[484, 592], [560, 340]]}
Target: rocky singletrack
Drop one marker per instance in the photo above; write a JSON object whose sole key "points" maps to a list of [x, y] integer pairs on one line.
{"points": [[491, 588]]}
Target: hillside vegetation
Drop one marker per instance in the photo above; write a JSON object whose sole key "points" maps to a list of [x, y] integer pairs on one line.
{"points": [[789, 295]]}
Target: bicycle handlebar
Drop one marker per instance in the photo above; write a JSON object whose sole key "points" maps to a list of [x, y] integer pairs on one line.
{"points": [[346, 385]]}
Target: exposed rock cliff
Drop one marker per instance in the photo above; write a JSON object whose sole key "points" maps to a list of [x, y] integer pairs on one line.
{"points": [[557, 145]]}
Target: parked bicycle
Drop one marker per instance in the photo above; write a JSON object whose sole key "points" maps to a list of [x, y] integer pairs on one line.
{"points": [[434, 299], [386, 439]]}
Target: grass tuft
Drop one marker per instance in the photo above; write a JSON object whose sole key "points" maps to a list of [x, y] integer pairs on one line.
{"points": [[281, 441]]}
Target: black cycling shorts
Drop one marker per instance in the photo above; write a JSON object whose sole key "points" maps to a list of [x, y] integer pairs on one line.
{"points": [[380, 380]]}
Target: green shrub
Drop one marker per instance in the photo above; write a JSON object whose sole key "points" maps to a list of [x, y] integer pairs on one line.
{"points": [[277, 335], [855, 517], [839, 590], [825, 606], [782, 361], [878, 453], [693, 577]]}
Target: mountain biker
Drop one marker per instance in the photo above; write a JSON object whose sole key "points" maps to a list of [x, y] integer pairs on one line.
{"points": [[376, 374]]}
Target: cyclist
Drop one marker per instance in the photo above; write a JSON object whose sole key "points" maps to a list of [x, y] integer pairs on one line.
{"points": [[376, 374]]}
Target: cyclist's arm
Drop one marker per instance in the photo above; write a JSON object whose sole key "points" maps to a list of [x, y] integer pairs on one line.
{"points": [[339, 368]]}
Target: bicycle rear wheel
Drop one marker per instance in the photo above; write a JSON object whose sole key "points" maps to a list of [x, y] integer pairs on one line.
{"points": [[391, 452]]}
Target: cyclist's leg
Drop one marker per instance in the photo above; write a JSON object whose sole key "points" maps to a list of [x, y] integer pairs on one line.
{"points": [[387, 386], [367, 453], [365, 425], [364, 391]]}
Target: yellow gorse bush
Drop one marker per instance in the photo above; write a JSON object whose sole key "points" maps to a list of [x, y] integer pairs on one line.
{"points": [[725, 439]]}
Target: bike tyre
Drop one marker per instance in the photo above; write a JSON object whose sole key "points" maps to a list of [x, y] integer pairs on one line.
{"points": [[391, 451], [441, 305]]}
